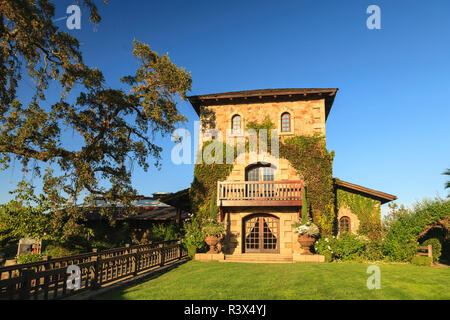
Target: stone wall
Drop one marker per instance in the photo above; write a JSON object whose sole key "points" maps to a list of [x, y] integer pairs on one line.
{"points": [[344, 211], [307, 117], [283, 168], [234, 219]]}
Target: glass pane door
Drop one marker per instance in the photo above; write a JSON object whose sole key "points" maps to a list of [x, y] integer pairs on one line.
{"points": [[261, 234]]}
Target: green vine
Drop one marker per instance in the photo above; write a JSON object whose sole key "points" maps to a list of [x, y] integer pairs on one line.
{"points": [[267, 125], [309, 156], [366, 209], [203, 191]]}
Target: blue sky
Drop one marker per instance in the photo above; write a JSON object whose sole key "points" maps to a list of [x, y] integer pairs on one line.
{"points": [[389, 125]]}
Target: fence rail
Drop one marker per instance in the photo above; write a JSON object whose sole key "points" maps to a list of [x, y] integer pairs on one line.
{"points": [[48, 279], [425, 251]]}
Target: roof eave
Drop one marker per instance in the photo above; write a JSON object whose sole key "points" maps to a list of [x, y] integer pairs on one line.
{"points": [[276, 94], [379, 195]]}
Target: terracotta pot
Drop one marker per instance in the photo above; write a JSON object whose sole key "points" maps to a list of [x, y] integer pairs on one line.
{"points": [[306, 242], [212, 241]]}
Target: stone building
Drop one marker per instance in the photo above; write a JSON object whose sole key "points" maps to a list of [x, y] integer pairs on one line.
{"points": [[260, 200]]}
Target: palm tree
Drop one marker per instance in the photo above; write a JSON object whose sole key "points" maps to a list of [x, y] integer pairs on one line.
{"points": [[447, 184]]}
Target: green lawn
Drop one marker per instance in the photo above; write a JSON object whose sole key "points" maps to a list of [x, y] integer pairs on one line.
{"points": [[226, 281]]}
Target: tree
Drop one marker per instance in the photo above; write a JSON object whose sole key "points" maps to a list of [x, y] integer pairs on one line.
{"points": [[114, 125], [447, 184], [25, 216]]}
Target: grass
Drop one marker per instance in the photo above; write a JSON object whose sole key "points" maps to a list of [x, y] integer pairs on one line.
{"points": [[241, 281]]}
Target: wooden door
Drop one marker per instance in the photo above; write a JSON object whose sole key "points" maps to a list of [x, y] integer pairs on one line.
{"points": [[261, 234]]}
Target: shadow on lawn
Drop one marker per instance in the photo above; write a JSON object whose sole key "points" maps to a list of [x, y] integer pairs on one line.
{"points": [[116, 293]]}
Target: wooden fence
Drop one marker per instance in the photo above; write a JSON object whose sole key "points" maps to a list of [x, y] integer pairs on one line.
{"points": [[48, 279], [426, 251]]}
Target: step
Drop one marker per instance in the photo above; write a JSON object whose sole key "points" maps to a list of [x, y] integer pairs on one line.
{"points": [[258, 258]]}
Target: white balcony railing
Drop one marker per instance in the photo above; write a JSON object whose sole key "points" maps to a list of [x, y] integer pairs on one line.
{"points": [[246, 193]]}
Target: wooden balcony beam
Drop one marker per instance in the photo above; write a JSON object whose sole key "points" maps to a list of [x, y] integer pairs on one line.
{"points": [[260, 203]]}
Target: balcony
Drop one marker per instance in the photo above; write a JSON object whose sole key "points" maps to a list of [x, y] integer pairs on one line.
{"points": [[259, 193]]}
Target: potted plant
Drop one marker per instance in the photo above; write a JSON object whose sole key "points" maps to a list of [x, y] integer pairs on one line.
{"points": [[213, 231], [307, 233]]}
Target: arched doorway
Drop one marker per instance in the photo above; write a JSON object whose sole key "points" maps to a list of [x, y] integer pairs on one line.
{"points": [[261, 234]]}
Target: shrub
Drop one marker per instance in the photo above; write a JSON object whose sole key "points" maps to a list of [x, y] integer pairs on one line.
{"points": [[400, 249], [346, 247], [324, 246], [328, 256], [374, 250], [421, 261], [8, 251], [404, 226], [194, 238], [29, 258], [436, 247], [349, 247], [101, 245], [108, 235], [164, 232], [59, 251]]}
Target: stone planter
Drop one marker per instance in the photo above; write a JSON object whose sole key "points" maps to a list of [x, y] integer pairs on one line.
{"points": [[212, 241], [306, 242]]}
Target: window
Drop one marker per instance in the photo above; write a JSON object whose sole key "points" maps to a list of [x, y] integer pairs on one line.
{"points": [[286, 122], [344, 224], [236, 124], [260, 173]]}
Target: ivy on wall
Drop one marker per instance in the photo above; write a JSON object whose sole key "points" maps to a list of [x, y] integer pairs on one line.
{"points": [[203, 191], [307, 154], [366, 209], [267, 125], [310, 157]]}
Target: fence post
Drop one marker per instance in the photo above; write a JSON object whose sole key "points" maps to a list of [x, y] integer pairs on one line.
{"points": [[180, 250], [430, 252], [161, 246], [136, 261], [47, 267], [25, 284], [95, 280]]}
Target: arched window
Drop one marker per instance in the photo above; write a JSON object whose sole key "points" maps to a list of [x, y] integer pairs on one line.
{"points": [[286, 122], [344, 224], [236, 123], [260, 172]]}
